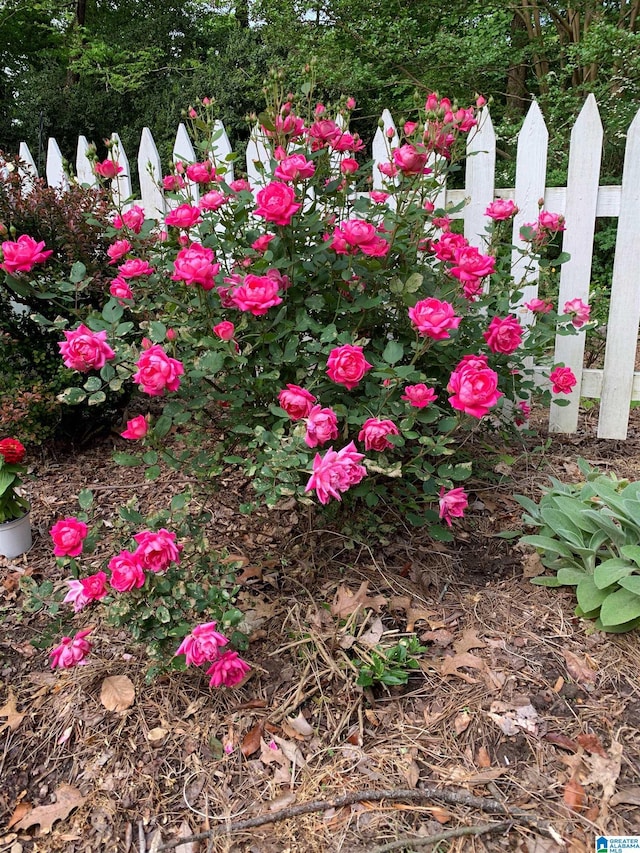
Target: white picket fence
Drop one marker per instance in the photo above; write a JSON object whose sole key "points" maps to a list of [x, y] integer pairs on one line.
{"points": [[581, 201]]}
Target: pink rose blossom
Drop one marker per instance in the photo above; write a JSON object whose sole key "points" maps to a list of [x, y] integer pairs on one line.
{"points": [[71, 652], [240, 185], [202, 644], [132, 218], [409, 127], [347, 365], [520, 418], [410, 161], [580, 310], [108, 169], [23, 255], [201, 173], [356, 234], [276, 203], [296, 401], [474, 386], [85, 350], [120, 289], [136, 428], [224, 330], [349, 166], [434, 318], [127, 572], [350, 103], [449, 243], [68, 536], [173, 183], [323, 132], [262, 243], [81, 592], [538, 306], [452, 504], [501, 209], [388, 169], [157, 372], [157, 549], [195, 265], [378, 196], [135, 268], [295, 168], [374, 433], [346, 142], [213, 200], [229, 670], [551, 222], [471, 265], [322, 426], [118, 250], [256, 294], [563, 380], [419, 395], [504, 335], [184, 216], [334, 473]]}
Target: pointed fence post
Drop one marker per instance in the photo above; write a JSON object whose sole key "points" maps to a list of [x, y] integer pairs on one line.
{"points": [[121, 185], [258, 156], [183, 153], [56, 175], [479, 180], [84, 166], [221, 149], [624, 310], [29, 171], [531, 175], [150, 175], [381, 148], [585, 154]]}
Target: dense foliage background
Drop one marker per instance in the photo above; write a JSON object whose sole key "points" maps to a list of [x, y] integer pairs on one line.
{"points": [[95, 66]]}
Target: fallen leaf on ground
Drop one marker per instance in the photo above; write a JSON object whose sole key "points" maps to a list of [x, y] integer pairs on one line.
{"points": [[451, 666], [281, 802], [469, 640], [591, 743], [10, 711], [19, 812], [605, 772], [185, 831], [574, 795], [157, 735], [441, 637], [347, 602], [579, 670], [483, 759], [512, 721], [563, 741], [300, 725], [67, 799], [462, 722], [628, 796], [251, 740], [117, 693], [373, 636], [532, 565]]}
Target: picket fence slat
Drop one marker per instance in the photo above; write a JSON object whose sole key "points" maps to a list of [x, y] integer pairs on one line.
{"points": [[121, 189], [581, 202], [585, 154], [29, 171], [624, 311], [479, 180]]}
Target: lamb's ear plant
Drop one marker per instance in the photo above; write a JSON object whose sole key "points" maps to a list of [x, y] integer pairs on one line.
{"points": [[588, 535]]}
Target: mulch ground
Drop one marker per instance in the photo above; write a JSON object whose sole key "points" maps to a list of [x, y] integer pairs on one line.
{"points": [[520, 726]]}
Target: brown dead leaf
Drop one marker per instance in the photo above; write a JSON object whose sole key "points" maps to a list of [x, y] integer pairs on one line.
{"points": [[117, 693], [440, 814], [605, 772], [157, 735], [532, 565], [19, 812], [628, 796], [579, 670], [563, 741], [281, 802], [411, 773], [483, 759], [451, 666], [373, 636], [251, 740], [469, 640], [419, 614], [184, 831], [300, 725], [249, 573], [10, 711], [441, 637], [371, 716], [67, 799], [513, 720], [347, 602], [462, 722], [574, 796], [591, 744]]}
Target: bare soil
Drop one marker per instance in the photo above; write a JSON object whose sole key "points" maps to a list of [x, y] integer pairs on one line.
{"points": [[518, 706]]}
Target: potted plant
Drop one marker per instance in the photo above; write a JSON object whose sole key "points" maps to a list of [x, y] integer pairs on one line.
{"points": [[15, 524]]}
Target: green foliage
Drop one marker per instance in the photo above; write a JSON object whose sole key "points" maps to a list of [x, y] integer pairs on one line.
{"points": [[588, 535], [391, 665]]}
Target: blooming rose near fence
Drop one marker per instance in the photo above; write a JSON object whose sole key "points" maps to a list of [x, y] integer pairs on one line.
{"points": [[335, 342]]}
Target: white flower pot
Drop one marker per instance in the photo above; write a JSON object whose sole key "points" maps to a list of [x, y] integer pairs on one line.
{"points": [[15, 536]]}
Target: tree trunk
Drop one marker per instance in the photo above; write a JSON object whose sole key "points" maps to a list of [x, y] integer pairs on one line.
{"points": [[242, 13], [517, 100]]}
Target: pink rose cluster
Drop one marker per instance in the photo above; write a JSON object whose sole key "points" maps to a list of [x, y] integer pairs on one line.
{"points": [[474, 386], [85, 350], [157, 372], [203, 645], [71, 651], [356, 235], [335, 472], [196, 265]]}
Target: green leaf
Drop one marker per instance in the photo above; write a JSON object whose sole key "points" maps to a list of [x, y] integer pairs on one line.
{"points": [[93, 383], [162, 426], [97, 398], [150, 457], [621, 606], [589, 596], [610, 571], [180, 501], [632, 583], [393, 352], [85, 498], [413, 283], [632, 552], [78, 272], [112, 311], [546, 581], [458, 472], [163, 615], [157, 331], [546, 543], [152, 473], [126, 459], [570, 577], [72, 396]]}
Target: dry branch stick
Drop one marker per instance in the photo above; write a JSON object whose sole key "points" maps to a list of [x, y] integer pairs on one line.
{"points": [[484, 829], [451, 797]]}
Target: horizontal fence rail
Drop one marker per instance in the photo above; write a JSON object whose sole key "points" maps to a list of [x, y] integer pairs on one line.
{"points": [[582, 201]]}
